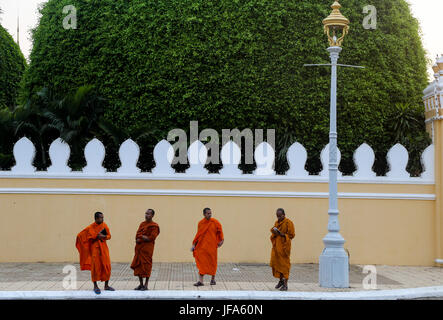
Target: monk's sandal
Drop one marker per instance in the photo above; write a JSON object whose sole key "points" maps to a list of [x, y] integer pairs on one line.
{"points": [[198, 284], [279, 284]]}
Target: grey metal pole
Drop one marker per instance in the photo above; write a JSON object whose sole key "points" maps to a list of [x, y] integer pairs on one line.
{"points": [[334, 262]]}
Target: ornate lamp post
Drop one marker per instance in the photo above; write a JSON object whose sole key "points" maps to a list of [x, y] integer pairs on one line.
{"points": [[334, 263]]}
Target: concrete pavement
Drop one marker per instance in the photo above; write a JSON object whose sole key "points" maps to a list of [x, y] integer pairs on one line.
{"points": [[234, 281]]}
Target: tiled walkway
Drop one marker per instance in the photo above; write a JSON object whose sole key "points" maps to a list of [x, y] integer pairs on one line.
{"points": [[230, 276]]}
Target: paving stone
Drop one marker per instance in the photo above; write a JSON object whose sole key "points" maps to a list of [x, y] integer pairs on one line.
{"points": [[230, 276]]}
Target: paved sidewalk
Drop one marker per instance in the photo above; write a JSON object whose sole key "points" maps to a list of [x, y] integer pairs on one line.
{"points": [[230, 277]]}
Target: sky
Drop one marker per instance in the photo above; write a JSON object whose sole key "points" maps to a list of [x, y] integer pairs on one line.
{"points": [[428, 12]]}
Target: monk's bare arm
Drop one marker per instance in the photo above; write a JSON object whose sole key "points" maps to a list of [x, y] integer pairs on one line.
{"points": [[281, 234], [100, 237], [276, 232]]}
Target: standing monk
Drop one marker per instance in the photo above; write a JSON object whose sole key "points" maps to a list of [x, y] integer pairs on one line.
{"points": [[209, 237], [144, 248], [94, 252], [282, 234]]}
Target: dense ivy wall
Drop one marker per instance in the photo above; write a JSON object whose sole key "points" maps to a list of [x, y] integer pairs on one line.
{"points": [[12, 67], [231, 63]]}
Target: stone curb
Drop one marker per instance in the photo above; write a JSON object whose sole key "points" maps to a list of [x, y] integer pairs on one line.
{"points": [[411, 293]]}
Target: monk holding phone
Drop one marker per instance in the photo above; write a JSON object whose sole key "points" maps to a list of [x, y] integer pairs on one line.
{"points": [[94, 252]]}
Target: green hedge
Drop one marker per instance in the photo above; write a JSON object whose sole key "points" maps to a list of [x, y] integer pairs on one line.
{"points": [[237, 64], [12, 67]]}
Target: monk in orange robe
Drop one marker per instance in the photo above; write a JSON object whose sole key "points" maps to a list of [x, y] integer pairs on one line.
{"points": [[94, 252], [145, 240], [208, 239], [282, 234]]}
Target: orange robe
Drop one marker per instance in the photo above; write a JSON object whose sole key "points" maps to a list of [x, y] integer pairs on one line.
{"points": [[142, 262], [94, 254], [281, 248], [209, 234]]}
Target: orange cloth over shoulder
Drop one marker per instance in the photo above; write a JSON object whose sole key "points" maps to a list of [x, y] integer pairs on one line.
{"points": [[209, 234], [281, 248], [142, 262], [94, 254]]}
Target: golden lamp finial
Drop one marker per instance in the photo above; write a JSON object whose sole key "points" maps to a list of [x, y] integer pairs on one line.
{"points": [[337, 22]]}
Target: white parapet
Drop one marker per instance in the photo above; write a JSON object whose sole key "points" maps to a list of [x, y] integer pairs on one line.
{"points": [[197, 155]]}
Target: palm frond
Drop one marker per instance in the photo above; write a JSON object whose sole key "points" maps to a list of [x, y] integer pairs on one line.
{"points": [[118, 135], [68, 136]]}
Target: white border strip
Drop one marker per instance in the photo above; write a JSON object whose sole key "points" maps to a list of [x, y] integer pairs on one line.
{"points": [[216, 193], [212, 177], [410, 293]]}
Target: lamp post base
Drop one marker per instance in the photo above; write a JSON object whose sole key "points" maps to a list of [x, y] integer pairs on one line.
{"points": [[334, 268]]}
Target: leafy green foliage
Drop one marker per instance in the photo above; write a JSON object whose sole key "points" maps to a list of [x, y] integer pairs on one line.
{"points": [[406, 118], [12, 67], [74, 117], [29, 120], [406, 125], [237, 64], [6, 138]]}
